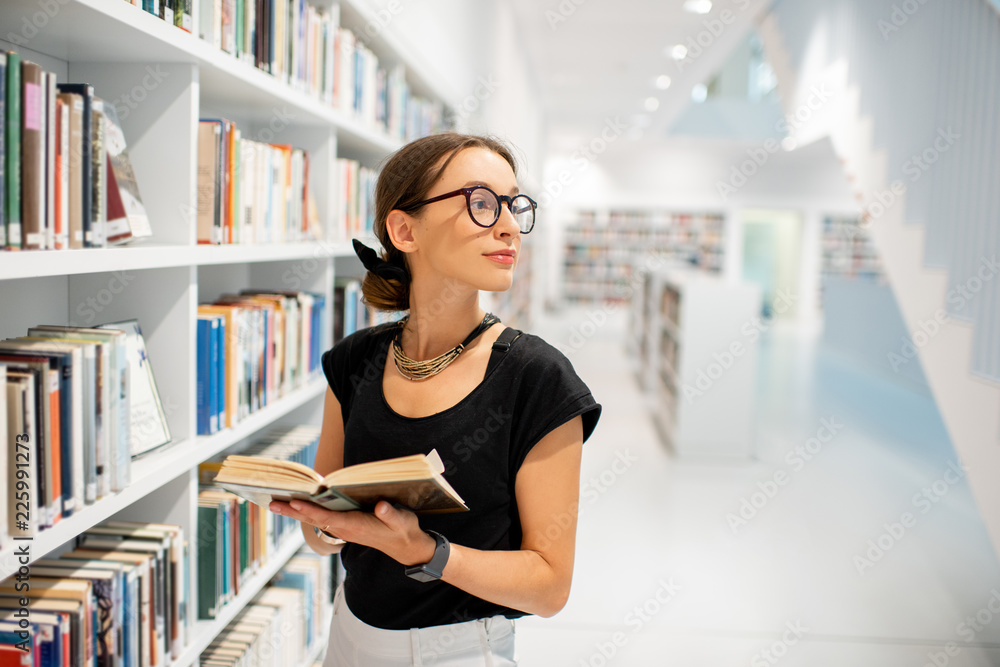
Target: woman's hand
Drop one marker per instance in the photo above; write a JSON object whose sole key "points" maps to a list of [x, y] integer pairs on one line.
{"points": [[394, 532]]}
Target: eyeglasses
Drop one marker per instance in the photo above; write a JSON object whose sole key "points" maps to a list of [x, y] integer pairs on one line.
{"points": [[484, 206]]}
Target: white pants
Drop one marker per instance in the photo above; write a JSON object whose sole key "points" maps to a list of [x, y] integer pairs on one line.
{"points": [[487, 642]]}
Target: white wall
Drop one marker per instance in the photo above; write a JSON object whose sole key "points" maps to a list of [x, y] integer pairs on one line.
{"points": [[474, 48]]}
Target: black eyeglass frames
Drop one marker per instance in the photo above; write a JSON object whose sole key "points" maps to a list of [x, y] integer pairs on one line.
{"points": [[484, 206]]}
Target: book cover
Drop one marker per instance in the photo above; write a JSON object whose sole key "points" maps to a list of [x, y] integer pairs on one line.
{"points": [[148, 424], [51, 142], [86, 93], [182, 15], [12, 157], [61, 175], [219, 355], [209, 531], [3, 151], [98, 175], [204, 366], [32, 157], [5, 459], [28, 375], [209, 191], [73, 168], [129, 220]]}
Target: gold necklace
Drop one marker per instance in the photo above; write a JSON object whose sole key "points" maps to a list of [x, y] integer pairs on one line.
{"points": [[412, 369]]}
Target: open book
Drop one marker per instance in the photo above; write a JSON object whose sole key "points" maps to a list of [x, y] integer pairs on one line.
{"points": [[414, 482]]}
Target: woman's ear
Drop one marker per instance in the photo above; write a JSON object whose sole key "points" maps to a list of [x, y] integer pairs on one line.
{"points": [[399, 226]]}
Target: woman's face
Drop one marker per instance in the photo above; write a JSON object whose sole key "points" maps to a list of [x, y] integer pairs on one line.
{"points": [[450, 244]]}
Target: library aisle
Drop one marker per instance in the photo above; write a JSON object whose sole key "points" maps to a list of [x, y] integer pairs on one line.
{"points": [[817, 570]]}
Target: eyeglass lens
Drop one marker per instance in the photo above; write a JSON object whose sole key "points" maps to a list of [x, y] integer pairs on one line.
{"points": [[484, 208]]}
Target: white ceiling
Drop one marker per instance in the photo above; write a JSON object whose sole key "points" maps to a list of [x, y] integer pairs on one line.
{"points": [[598, 59]]}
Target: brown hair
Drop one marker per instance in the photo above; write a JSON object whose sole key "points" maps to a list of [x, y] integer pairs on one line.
{"points": [[406, 178]]}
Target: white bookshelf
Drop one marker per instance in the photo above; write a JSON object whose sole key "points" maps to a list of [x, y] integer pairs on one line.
{"points": [[603, 247], [689, 324], [161, 281]]}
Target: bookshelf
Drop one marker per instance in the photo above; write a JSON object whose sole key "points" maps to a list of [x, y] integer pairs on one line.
{"points": [[696, 350], [849, 251], [602, 248], [161, 280]]}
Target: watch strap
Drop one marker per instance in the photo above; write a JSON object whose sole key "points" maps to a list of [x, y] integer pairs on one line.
{"points": [[434, 568]]}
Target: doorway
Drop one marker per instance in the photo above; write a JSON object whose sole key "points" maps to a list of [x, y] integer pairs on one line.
{"points": [[772, 259]]}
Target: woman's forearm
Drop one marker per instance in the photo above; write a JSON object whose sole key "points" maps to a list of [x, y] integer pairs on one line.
{"points": [[519, 579]]}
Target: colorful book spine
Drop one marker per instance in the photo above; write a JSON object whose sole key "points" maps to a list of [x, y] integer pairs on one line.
{"points": [[13, 154]]}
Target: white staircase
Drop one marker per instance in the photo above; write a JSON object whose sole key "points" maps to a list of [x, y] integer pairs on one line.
{"points": [[955, 353]]}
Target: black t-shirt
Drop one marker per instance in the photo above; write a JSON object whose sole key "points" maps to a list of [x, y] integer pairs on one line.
{"points": [[482, 440]]}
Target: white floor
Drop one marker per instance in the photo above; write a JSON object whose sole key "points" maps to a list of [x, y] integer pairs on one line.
{"points": [[662, 578]]}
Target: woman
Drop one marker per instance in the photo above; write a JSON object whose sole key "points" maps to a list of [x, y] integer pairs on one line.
{"points": [[505, 411]]}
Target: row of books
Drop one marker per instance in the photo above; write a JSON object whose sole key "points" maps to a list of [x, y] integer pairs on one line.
{"points": [[305, 46], [253, 348], [67, 178], [848, 250], [355, 215], [237, 537], [118, 599], [174, 12], [78, 405], [251, 191], [283, 624], [351, 313]]}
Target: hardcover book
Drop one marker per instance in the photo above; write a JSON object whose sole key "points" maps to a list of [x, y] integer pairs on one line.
{"points": [[415, 482]]}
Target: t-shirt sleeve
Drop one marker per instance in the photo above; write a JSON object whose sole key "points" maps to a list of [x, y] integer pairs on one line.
{"points": [[550, 393]]}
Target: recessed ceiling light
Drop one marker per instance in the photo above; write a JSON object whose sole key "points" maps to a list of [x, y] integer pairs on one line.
{"points": [[651, 104], [698, 6], [699, 93], [663, 82], [678, 52]]}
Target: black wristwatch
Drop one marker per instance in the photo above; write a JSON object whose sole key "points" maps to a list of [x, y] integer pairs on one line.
{"points": [[431, 570]]}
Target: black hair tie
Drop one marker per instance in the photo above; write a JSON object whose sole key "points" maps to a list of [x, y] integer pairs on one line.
{"points": [[371, 261]]}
